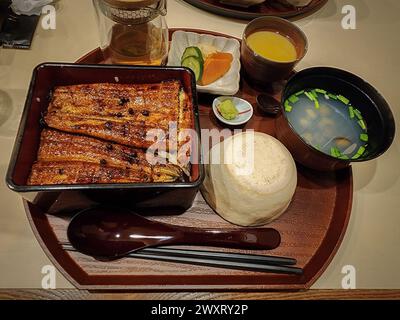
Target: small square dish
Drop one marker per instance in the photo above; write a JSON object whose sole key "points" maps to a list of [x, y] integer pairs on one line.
{"points": [[228, 84]]}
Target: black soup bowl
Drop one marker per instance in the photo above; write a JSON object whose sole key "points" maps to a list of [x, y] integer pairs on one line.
{"points": [[373, 107]]}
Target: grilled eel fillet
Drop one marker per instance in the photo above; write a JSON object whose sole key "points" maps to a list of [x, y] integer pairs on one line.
{"points": [[65, 158], [122, 113]]}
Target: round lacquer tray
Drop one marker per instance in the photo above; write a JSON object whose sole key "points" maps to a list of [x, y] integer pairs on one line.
{"points": [[311, 229], [267, 8]]}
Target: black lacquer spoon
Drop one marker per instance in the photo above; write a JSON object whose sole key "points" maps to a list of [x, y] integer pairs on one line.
{"points": [[268, 104], [115, 233]]}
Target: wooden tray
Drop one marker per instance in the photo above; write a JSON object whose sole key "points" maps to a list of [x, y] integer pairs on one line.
{"points": [[311, 229], [268, 8]]}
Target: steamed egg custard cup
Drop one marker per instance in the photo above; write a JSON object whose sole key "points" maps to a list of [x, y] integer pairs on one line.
{"points": [[250, 179], [376, 117]]}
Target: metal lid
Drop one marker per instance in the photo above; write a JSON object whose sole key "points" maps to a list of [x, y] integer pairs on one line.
{"points": [[133, 11]]}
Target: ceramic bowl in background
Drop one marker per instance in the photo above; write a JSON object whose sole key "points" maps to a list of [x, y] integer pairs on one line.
{"points": [[261, 71]]}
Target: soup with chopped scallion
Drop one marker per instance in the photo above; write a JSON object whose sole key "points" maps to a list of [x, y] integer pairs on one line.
{"points": [[328, 122]]}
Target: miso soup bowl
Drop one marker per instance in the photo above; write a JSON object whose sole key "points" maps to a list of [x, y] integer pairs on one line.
{"points": [[374, 108]]}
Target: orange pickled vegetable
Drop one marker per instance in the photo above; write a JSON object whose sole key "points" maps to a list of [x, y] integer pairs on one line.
{"points": [[222, 55], [215, 67]]}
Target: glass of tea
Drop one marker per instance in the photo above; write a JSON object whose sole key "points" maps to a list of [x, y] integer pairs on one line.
{"points": [[133, 31], [271, 48]]}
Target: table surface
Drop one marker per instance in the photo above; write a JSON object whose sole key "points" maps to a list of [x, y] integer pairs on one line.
{"points": [[372, 241]]}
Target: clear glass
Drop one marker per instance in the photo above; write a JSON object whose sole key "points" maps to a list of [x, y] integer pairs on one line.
{"points": [[124, 42]]}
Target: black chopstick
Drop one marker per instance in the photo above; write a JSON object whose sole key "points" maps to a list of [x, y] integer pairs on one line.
{"points": [[223, 263], [251, 258], [187, 256]]}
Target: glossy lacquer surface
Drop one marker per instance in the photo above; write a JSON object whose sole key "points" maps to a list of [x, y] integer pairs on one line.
{"points": [[166, 198], [311, 229], [115, 232]]}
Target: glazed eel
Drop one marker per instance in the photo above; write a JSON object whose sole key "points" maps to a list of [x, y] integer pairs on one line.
{"points": [[122, 113], [65, 158]]}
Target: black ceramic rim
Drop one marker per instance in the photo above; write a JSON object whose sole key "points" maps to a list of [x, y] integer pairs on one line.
{"points": [[362, 86]]}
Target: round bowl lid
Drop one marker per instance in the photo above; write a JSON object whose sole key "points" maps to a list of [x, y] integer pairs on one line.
{"points": [[250, 179]]}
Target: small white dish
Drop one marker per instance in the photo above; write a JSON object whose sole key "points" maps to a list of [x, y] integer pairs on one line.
{"points": [[244, 107], [226, 85]]}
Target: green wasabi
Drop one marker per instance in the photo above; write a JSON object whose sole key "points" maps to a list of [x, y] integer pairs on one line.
{"points": [[228, 110]]}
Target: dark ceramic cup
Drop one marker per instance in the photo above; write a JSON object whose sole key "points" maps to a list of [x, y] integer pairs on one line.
{"points": [[375, 110], [261, 71]]}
